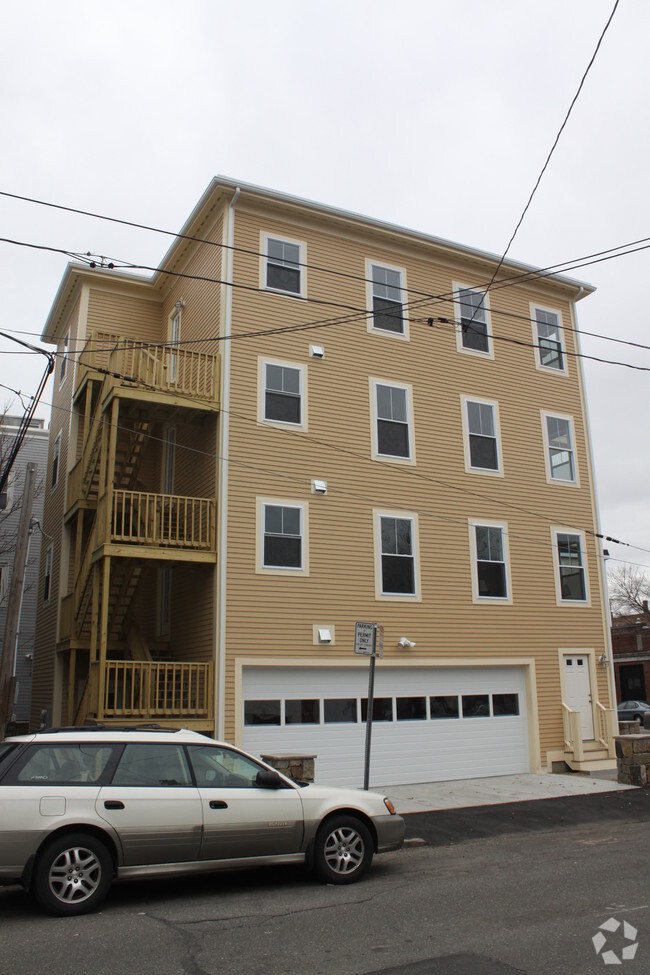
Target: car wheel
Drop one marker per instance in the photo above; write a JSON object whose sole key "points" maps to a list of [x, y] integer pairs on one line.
{"points": [[343, 850], [72, 874]]}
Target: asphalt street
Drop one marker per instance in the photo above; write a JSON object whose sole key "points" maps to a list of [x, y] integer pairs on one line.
{"points": [[510, 890]]}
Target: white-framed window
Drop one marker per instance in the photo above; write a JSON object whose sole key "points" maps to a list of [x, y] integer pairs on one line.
{"points": [[570, 566], [283, 393], [4, 582], [56, 457], [47, 578], [283, 265], [7, 493], [386, 297], [392, 412], [547, 339], [396, 555], [63, 366], [282, 537], [472, 311], [491, 569], [174, 341], [481, 435], [559, 448]]}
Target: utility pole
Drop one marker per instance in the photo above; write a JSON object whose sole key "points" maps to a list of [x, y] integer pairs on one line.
{"points": [[7, 679]]}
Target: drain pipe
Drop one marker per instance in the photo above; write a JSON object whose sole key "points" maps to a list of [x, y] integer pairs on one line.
{"points": [[223, 446]]}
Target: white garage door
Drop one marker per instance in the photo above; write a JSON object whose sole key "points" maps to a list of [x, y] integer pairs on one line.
{"points": [[429, 724]]}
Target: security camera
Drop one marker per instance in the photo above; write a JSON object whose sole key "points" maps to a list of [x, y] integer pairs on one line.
{"points": [[403, 642]]}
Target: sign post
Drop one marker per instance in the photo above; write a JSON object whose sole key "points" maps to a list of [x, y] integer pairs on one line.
{"points": [[369, 641]]}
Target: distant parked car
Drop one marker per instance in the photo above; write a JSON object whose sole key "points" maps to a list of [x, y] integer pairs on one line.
{"points": [[81, 807], [632, 710]]}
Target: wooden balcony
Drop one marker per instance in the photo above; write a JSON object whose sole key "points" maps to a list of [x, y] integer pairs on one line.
{"points": [[140, 518], [164, 369]]}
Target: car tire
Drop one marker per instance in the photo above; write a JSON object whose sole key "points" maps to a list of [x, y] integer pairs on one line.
{"points": [[72, 874], [343, 850]]}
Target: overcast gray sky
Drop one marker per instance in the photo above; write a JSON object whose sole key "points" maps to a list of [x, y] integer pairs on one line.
{"points": [[433, 114]]}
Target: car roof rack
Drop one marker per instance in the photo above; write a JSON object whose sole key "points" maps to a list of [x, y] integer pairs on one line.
{"points": [[98, 726]]}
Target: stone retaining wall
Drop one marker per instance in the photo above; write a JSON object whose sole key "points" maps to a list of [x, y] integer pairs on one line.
{"points": [[297, 767], [633, 758]]}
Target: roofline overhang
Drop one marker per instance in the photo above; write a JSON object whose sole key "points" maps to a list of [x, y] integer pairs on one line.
{"points": [[220, 190]]}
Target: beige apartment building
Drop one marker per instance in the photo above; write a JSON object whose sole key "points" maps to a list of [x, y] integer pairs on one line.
{"points": [[307, 418]]}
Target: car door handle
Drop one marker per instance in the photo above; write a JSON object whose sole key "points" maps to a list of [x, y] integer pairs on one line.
{"points": [[218, 804], [113, 804]]}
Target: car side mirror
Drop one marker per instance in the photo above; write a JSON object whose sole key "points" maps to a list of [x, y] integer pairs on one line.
{"points": [[269, 779]]}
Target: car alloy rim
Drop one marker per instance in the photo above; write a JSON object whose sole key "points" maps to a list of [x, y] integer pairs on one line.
{"points": [[75, 875], [344, 850]]}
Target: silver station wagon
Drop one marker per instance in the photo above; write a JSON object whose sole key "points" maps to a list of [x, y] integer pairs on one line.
{"points": [[82, 807]]}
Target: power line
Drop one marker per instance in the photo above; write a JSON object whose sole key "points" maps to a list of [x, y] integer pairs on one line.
{"points": [[548, 158]]}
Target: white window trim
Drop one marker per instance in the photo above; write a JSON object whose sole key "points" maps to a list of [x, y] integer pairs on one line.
{"points": [[56, 452], [174, 343], [262, 362], [63, 367], [4, 582], [489, 600], [377, 515], [558, 530], [390, 458], [457, 287], [48, 573], [575, 483], [9, 488], [262, 569], [464, 400], [548, 370], [370, 319], [302, 260]]}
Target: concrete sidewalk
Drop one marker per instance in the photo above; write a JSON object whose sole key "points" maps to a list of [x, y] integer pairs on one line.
{"points": [[527, 786]]}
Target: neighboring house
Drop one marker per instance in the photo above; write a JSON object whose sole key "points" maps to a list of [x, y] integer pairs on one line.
{"points": [[307, 418], [631, 649], [33, 451]]}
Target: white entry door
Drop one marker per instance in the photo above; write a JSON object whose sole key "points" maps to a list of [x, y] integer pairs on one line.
{"points": [[577, 688]]}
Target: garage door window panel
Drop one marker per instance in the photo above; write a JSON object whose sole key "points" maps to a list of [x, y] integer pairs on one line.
{"points": [[262, 712], [505, 705], [476, 706], [302, 712], [443, 706], [382, 709], [340, 710], [411, 708]]}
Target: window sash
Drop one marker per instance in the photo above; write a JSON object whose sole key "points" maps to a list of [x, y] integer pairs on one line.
{"points": [[573, 585], [473, 320], [560, 448], [282, 393], [491, 574], [549, 340], [397, 556], [387, 301], [283, 266], [393, 437], [283, 538]]}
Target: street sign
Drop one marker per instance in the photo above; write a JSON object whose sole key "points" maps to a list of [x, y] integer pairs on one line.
{"points": [[364, 638]]}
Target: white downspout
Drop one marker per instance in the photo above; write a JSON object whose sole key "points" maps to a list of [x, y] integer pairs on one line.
{"points": [[602, 561], [223, 449]]}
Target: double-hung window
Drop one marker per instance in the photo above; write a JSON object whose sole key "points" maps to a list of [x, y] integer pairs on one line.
{"points": [[56, 454], [571, 579], [397, 550], [547, 338], [474, 332], [64, 359], [47, 577], [489, 545], [386, 294], [283, 266], [283, 393], [481, 424], [392, 420], [283, 536], [560, 450]]}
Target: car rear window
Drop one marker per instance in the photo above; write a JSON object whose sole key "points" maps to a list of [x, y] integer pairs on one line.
{"points": [[61, 764]]}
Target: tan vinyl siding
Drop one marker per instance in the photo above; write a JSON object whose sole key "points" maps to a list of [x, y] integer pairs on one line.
{"points": [[120, 314], [274, 615]]}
